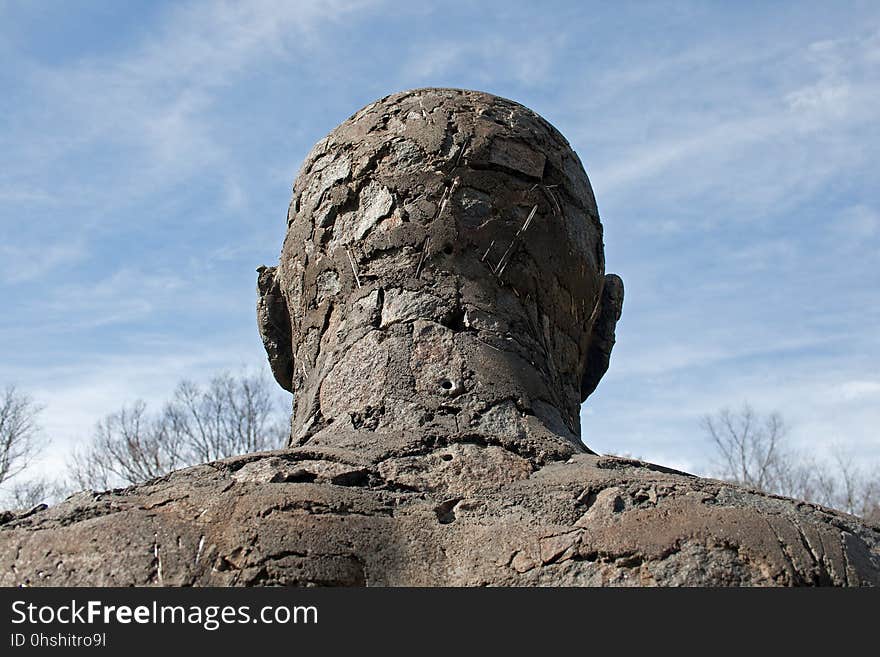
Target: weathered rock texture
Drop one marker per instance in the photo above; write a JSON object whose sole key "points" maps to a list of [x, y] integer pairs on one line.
{"points": [[443, 272], [440, 311], [430, 513]]}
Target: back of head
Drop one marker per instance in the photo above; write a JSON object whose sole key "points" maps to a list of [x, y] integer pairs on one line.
{"points": [[443, 271]]}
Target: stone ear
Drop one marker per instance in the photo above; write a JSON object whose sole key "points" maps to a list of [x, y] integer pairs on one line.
{"points": [[273, 321], [602, 335]]}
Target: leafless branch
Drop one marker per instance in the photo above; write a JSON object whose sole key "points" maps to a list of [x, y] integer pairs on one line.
{"points": [[230, 415], [752, 450], [20, 440]]}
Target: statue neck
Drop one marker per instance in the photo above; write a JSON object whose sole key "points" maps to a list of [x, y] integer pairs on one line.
{"points": [[397, 360]]}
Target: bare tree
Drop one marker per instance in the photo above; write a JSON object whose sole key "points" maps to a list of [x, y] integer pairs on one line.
{"points": [[127, 447], [752, 450], [853, 490], [19, 432], [749, 448], [230, 415], [30, 493], [873, 515]]}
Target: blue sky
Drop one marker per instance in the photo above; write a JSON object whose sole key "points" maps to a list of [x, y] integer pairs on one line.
{"points": [[148, 152]]}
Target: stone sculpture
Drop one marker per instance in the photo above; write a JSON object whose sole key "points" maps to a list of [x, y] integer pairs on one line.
{"points": [[440, 311], [443, 272]]}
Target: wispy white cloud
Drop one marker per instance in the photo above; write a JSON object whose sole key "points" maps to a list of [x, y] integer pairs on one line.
{"points": [[121, 296], [528, 59], [751, 145], [854, 224], [154, 104], [20, 263], [21, 194], [857, 390], [718, 349]]}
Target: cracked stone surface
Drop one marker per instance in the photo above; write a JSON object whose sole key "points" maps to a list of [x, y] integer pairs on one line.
{"points": [[431, 513], [443, 272], [440, 311]]}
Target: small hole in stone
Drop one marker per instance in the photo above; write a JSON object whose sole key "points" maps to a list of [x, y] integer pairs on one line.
{"points": [[446, 457], [447, 249], [446, 511], [446, 385], [454, 319]]}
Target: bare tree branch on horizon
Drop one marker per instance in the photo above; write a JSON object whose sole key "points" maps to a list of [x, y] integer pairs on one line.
{"points": [[753, 450], [20, 440], [230, 415]]}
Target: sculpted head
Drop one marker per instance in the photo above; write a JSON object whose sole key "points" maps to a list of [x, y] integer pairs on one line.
{"points": [[443, 271]]}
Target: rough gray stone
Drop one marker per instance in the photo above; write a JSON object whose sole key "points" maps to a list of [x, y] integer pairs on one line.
{"points": [[457, 513], [464, 216]]}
